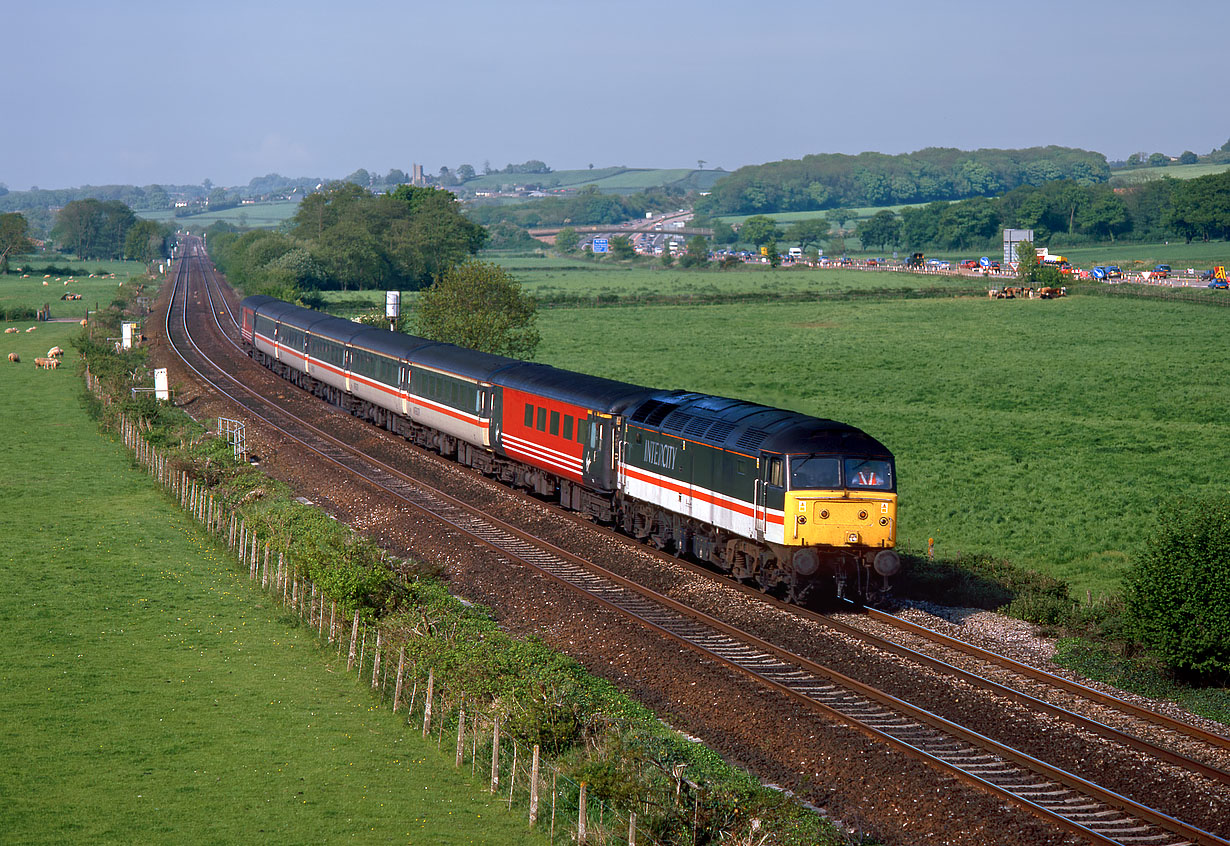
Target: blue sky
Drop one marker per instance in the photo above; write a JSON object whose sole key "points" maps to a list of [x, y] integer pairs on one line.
{"points": [[144, 92]]}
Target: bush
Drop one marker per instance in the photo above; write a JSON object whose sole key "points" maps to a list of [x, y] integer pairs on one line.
{"points": [[1177, 601]]}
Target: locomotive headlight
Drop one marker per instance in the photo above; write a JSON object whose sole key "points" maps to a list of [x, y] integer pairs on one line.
{"points": [[862, 515], [887, 562]]}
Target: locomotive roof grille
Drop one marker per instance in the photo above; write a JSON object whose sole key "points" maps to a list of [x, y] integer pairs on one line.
{"points": [[752, 439], [718, 432], [677, 420], [696, 426]]}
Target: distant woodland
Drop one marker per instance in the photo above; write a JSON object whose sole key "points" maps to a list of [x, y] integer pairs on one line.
{"points": [[833, 180]]}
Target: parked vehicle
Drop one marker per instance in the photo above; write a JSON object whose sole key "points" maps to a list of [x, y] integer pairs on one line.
{"points": [[1113, 272], [1219, 283], [970, 264], [1162, 271]]}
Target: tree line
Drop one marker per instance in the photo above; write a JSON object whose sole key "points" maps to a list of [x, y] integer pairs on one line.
{"points": [[832, 180], [346, 238], [1062, 213]]}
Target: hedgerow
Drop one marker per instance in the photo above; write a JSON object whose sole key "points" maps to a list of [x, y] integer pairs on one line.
{"points": [[1178, 592]]}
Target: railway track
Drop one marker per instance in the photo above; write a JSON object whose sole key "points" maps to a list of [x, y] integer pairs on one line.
{"points": [[1066, 799]]}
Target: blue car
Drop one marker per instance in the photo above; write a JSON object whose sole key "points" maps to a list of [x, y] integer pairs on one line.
{"points": [[1219, 283]]}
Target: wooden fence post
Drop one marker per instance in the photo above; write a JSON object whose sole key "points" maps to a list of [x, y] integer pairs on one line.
{"points": [[431, 684], [512, 779], [461, 733], [354, 641], [495, 756], [581, 816], [534, 787], [632, 828], [376, 662], [401, 668]]}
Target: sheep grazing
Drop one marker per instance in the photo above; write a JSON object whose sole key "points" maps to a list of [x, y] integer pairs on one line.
{"points": [[31, 329], [12, 330], [15, 358], [55, 352], [46, 363]]}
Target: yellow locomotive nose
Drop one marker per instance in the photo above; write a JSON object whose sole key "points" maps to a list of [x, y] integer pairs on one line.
{"points": [[819, 518]]}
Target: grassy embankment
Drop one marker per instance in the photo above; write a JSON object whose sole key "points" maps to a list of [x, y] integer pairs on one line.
{"points": [[150, 694]]}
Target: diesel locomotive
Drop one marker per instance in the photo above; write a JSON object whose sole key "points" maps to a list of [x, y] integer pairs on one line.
{"points": [[789, 502]]}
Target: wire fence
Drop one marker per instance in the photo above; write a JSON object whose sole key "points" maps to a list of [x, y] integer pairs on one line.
{"points": [[512, 770]]}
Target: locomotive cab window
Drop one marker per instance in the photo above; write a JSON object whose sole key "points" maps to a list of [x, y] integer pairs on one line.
{"points": [[869, 473], [776, 478], [814, 471]]}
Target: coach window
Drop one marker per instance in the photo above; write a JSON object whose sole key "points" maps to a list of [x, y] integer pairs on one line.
{"points": [[567, 427], [542, 419], [529, 416], [582, 431], [554, 422]]}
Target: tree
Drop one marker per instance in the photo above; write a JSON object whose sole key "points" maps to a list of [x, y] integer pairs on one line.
{"points": [[1188, 157], [144, 242], [479, 305], [396, 176], [838, 217], [775, 258], [813, 230], [1158, 160], [13, 240], [465, 172], [621, 247], [1135, 160], [360, 177], [697, 253], [566, 240], [1177, 599], [882, 229], [758, 230], [1030, 270]]}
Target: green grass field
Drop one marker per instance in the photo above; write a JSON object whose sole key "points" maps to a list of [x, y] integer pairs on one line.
{"points": [[561, 279], [256, 216], [1044, 432], [1138, 175], [1198, 255], [792, 217], [151, 696], [28, 291]]}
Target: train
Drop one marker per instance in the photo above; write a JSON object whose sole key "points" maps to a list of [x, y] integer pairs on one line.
{"points": [[794, 504]]}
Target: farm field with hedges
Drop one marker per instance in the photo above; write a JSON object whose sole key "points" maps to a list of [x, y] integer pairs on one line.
{"points": [[577, 281], [1043, 432], [19, 291], [150, 694]]}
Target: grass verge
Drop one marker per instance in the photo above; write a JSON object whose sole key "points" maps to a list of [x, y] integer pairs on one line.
{"points": [[151, 696]]}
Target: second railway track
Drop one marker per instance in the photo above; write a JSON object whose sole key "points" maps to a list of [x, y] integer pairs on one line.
{"points": [[1101, 815]]}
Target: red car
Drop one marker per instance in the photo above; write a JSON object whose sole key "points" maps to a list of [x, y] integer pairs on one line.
{"points": [[970, 264]]}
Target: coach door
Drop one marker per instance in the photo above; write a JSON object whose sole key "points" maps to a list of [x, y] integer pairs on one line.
{"points": [[598, 457]]}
